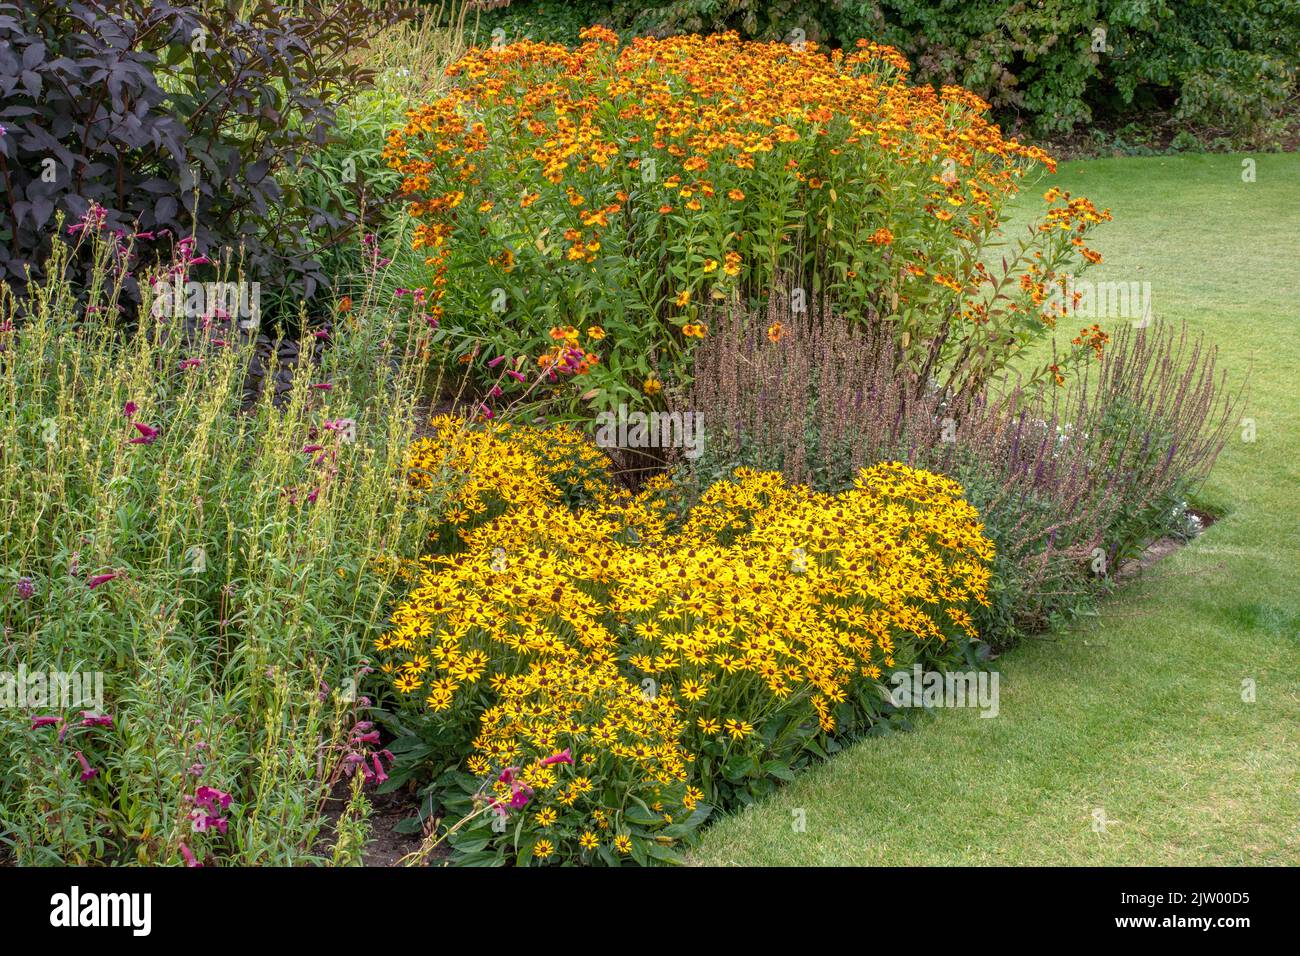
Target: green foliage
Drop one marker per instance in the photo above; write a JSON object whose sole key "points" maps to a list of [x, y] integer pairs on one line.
{"points": [[1226, 64], [555, 20], [223, 566]]}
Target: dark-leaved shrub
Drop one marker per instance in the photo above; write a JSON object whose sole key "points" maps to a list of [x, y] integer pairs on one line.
{"points": [[177, 120]]}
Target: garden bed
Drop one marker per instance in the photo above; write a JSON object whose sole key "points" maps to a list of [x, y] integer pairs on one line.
{"points": [[407, 574]]}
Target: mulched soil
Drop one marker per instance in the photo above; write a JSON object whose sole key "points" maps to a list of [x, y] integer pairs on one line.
{"points": [[385, 846]]}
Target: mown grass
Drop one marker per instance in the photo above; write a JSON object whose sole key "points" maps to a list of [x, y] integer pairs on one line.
{"points": [[1136, 713]]}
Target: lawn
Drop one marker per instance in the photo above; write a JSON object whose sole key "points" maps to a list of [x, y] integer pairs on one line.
{"points": [[1135, 716]]}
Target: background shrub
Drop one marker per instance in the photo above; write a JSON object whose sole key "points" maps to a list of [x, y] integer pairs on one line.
{"points": [[1225, 65]]}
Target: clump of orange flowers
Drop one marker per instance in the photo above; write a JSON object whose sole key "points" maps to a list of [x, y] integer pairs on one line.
{"points": [[1092, 337]]}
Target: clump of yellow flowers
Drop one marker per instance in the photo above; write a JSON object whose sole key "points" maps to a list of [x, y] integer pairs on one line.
{"points": [[624, 666]]}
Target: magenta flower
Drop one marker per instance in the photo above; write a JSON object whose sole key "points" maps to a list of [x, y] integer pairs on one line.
{"points": [[210, 798], [39, 722], [87, 771], [147, 434], [485, 411], [130, 408], [496, 361], [313, 495], [98, 579], [190, 860], [312, 449], [564, 756], [206, 821], [520, 793], [323, 386], [89, 719], [379, 769], [25, 588], [517, 376], [191, 363]]}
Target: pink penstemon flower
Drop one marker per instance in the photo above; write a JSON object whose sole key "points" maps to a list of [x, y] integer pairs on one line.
{"points": [[87, 771], [147, 434], [211, 797], [520, 793], [564, 756], [96, 580], [203, 822]]}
